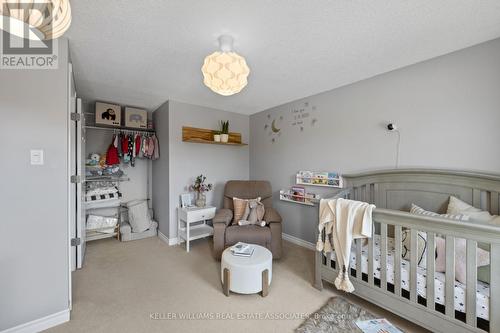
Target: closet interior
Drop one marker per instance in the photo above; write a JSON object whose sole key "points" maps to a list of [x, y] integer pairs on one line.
{"points": [[117, 179]]}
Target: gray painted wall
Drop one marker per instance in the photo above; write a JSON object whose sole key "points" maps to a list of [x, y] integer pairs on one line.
{"points": [[187, 160], [448, 110], [160, 184], [34, 277]]}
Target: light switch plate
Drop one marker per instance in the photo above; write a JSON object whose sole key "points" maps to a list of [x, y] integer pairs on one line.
{"points": [[36, 157]]}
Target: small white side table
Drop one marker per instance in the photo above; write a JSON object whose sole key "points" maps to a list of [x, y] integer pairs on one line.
{"points": [[187, 216], [247, 275]]}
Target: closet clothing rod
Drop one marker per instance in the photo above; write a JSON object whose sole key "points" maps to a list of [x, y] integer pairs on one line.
{"points": [[121, 129]]}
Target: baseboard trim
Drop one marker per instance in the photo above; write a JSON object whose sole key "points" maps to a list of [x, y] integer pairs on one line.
{"points": [[298, 241], [41, 324], [168, 241], [163, 237]]}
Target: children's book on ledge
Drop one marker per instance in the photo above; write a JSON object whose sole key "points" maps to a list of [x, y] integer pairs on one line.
{"points": [[315, 178]]}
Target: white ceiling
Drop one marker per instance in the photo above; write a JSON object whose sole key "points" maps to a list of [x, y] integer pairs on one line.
{"points": [[143, 53]]}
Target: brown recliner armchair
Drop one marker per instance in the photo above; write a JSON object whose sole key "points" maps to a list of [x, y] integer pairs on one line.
{"points": [[228, 233]]}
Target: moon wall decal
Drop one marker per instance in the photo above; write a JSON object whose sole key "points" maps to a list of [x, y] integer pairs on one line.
{"points": [[274, 128]]}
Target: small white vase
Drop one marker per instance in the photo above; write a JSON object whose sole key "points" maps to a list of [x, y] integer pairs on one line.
{"points": [[224, 138], [201, 201], [217, 137]]}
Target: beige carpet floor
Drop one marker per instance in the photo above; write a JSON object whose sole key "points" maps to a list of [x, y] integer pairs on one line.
{"points": [[123, 286]]}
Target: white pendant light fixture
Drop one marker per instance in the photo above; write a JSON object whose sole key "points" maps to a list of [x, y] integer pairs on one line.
{"points": [[46, 19], [225, 72]]}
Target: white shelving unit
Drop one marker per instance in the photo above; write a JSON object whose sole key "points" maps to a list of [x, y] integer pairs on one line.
{"points": [[95, 234], [311, 178]]}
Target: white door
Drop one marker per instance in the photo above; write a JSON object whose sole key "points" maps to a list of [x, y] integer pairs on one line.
{"points": [[80, 191], [76, 164], [73, 123]]}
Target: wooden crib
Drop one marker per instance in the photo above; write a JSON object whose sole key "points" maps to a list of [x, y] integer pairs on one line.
{"points": [[393, 192]]}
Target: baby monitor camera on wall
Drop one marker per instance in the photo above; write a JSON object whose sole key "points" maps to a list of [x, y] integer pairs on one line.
{"points": [[107, 114], [392, 127], [136, 118]]}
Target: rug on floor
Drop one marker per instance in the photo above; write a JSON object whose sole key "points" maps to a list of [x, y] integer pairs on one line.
{"points": [[337, 315]]}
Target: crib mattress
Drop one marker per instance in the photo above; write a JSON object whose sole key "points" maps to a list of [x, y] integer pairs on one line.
{"points": [[483, 289]]}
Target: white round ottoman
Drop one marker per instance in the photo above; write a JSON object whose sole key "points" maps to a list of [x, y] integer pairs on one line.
{"points": [[247, 275]]}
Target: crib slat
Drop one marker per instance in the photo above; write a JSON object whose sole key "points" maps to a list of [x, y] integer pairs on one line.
{"points": [[359, 269], [476, 198], [375, 195], [383, 256], [494, 288], [370, 261], [397, 260], [413, 264], [494, 203], [431, 268], [330, 258], [450, 277], [367, 193], [470, 303]]}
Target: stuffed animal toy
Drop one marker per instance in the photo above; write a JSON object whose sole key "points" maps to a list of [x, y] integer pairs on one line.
{"points": [[102, 160], [254, 213], [93, 159]]}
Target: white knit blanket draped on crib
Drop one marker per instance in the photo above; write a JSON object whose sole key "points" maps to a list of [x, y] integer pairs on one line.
{"points": [[343, 220]]}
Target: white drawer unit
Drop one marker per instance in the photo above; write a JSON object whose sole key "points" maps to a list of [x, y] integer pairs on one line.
{"points": [[188, 216]]}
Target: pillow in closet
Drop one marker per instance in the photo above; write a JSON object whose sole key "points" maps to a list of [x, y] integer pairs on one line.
{"points": [[138, 215]]}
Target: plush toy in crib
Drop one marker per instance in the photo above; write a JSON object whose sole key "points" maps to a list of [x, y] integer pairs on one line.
{"points": [[254, 213]]}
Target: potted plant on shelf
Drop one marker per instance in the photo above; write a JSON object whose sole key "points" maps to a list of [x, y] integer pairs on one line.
{"points": [[200, 187], [217, 136], [224, 137]]}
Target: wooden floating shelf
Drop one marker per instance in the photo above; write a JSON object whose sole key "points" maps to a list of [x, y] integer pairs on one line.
{"points": [[215, 143], [206, 136]]}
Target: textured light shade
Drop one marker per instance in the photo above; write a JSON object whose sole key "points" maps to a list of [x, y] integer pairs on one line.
{"points": [[225, 72], [47, 19]]}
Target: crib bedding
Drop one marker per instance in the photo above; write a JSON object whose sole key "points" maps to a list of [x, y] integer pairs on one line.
{"points": [[483, 290]]}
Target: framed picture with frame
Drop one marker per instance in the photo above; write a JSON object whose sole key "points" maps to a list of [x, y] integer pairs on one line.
{"points": [[186, 200]]}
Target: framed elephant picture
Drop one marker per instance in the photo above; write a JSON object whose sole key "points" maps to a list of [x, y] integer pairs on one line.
{"points": [[136, 118], [108, 114]]}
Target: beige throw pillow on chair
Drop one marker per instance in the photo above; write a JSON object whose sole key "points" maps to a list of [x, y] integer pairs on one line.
{"points": [[240, 206]]}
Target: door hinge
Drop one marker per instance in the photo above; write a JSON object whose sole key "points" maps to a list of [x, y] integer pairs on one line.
{"points": [[75, 241], [76, 179], [76, 116]]}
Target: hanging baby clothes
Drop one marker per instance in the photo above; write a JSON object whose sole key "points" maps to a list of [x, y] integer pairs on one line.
{"points": [[151, 147], [137, 145], [120, 151], [156, 153], [131, 150], [144, 146], [112, 154], [126, 156]]}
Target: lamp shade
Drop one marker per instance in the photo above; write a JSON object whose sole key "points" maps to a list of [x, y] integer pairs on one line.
{"points": [[47, 19], [225, 72]]}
